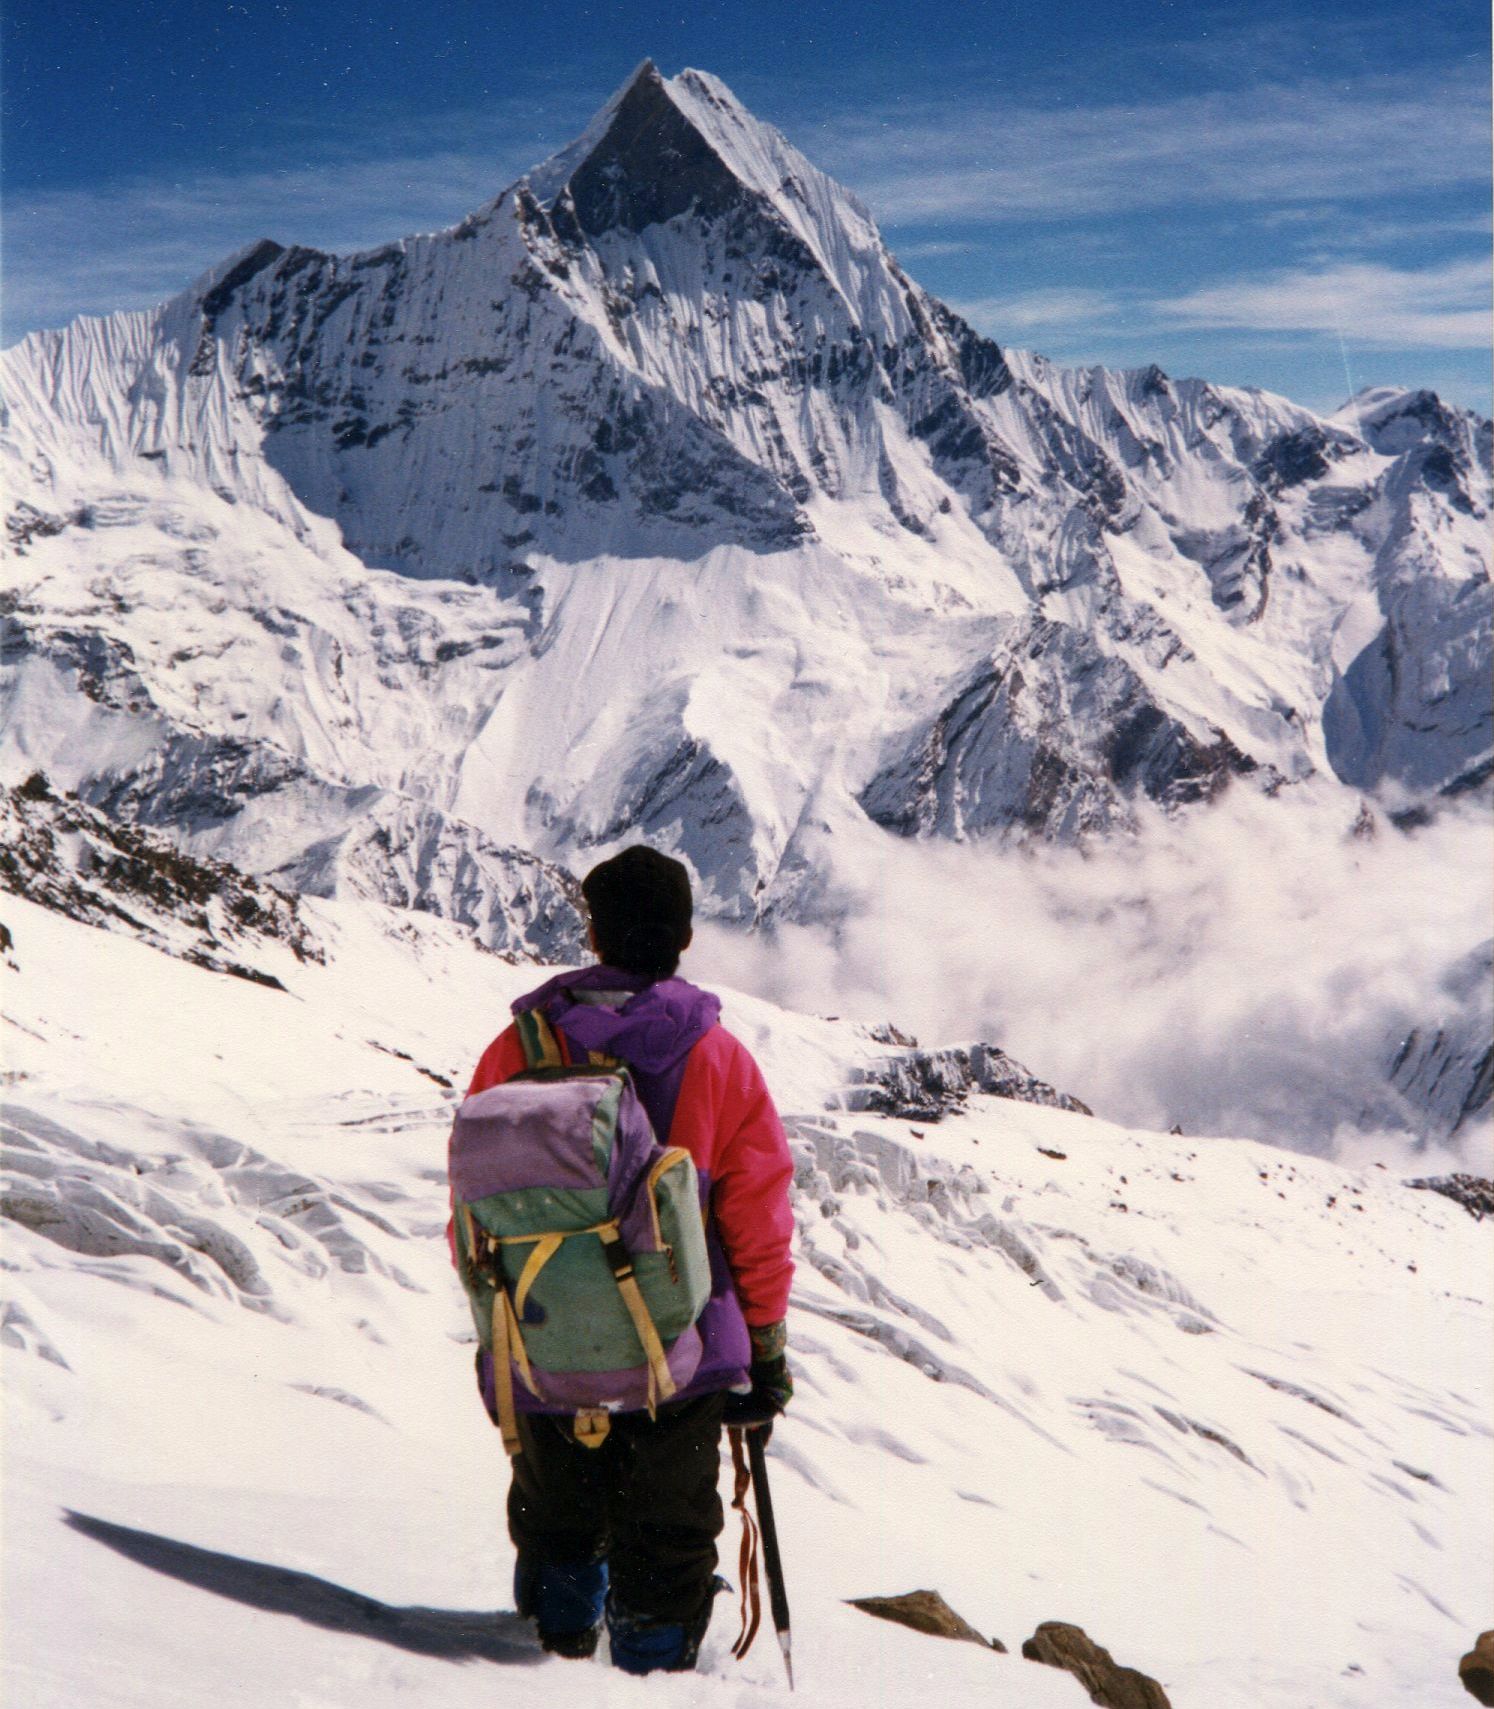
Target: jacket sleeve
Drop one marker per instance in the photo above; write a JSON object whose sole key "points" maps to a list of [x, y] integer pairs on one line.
{"points": [[749, 1194], [503, 1058]]}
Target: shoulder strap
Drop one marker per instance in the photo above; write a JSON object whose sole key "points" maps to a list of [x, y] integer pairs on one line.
{"points": [[537, 1036], [543, 1049]]}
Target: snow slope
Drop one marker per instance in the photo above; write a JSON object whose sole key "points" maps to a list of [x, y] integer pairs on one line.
{"points": [[1226, 1408]]}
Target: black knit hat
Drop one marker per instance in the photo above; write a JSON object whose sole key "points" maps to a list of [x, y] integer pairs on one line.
{"points": [[640, 911]]}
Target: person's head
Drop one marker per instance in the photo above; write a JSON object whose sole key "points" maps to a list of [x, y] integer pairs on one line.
{"points": [[640, 909]]}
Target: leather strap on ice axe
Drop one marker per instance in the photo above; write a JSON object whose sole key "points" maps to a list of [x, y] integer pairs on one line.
{"points": [[752, 1607]]}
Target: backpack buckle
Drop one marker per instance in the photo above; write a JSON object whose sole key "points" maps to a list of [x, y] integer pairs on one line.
{"points": [[591, 1425]]}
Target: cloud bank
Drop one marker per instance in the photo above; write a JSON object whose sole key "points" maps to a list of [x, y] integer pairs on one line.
{"points": [[1249, 970], [1439, 307]]}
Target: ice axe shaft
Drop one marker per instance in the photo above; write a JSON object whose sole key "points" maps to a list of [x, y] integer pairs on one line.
{"points": [[777, 1596]]}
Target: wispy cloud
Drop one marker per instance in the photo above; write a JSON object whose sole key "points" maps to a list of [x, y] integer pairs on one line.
{"points": [[933, 250], [1444, 307], [1366, 305], [1310, 141], [1062, 309], [131, 244], [1334, 226]]}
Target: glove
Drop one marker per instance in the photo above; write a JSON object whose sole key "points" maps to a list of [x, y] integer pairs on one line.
{"points": [[772, 1385]]}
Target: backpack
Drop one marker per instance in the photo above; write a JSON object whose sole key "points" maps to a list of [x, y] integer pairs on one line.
{"points": [[580, 1240]]}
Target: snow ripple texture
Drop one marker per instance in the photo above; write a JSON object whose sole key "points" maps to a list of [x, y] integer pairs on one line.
{"points": [[1039, 1359]]}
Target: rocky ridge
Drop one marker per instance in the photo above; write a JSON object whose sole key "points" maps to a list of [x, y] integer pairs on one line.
{"points": [[927, 1085], [82, 864]]}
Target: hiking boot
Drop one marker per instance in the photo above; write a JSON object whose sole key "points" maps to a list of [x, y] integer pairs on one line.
{"points": [[648, 1646], [640, 1645], [564, 1601], [575, 1645]]}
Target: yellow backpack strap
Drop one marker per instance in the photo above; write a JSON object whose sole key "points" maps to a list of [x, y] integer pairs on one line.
{"points": [[661, 1383], [520, 1351], [545, 1248], [503, 1375], [508, 1351], [468, 1245]]}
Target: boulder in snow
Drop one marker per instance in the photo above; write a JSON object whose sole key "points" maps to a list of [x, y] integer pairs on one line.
{"points": [[1070, 1647], [1476, 1670], [925, 1611]]}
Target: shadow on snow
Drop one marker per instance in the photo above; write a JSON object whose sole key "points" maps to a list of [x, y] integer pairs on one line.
{"points": [[448, 1634]]}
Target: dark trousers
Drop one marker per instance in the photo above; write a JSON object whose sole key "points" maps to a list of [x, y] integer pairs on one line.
{"points": [[646, 1502]]}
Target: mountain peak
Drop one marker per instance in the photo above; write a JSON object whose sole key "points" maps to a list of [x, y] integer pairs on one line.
{"points": [[663, 147], [217, 285], [650, 163], [1391, 419]]}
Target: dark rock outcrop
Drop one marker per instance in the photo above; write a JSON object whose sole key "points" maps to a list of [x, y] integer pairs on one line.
{"points": [[925, 1611], [69, 857], [1472, 1192], [1445, 1067], [652, 165], [1049, 738], [1114, 1687], [1476, 1670], [927, 1085]]}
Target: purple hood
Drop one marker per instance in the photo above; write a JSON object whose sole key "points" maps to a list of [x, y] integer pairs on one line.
{"points": [[653, 1030]]}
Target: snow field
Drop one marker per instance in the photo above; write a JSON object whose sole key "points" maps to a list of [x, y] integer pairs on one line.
{"points": [[1228, 1428]]}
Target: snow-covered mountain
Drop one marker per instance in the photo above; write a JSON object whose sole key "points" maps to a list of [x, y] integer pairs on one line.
{"points": [[761, 532], [353, 604], [654, 499]]}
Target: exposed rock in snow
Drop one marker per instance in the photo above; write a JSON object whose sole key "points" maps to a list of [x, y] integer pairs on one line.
{"points": [[1472, 1192], [409, 856], [70, 858], [927, 1085], [1476, 1669], [1070, 1647], [1446, 1068], [924, 1611], [160, 748], [1406, 707], [1051, 737]]}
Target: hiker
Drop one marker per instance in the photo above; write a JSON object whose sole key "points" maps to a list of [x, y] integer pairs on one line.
{"points": [[626, 1527]]}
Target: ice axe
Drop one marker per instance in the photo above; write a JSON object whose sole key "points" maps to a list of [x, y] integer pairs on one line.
{"points": [[754, 1470], [757, 1453]]}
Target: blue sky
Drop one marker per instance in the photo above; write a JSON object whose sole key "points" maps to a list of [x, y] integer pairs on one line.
{"points": [[1295, 197]]}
